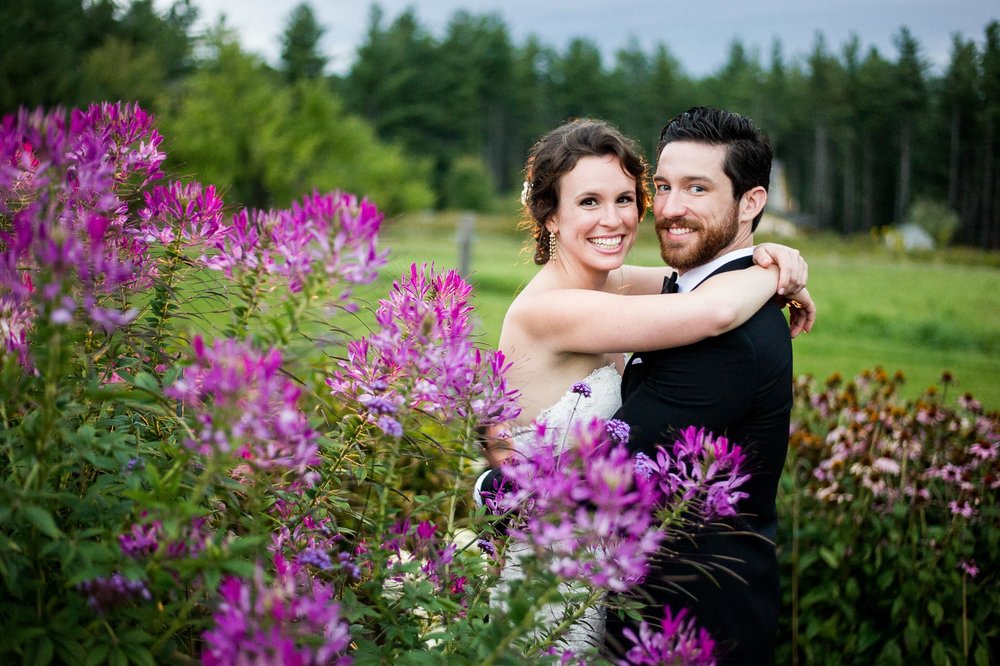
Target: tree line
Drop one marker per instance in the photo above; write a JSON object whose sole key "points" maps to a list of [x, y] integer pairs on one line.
{"points": [[425, 120]]}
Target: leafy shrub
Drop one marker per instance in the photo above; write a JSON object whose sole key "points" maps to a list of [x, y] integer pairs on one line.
{"points": [[891, 526], [935, 218]]}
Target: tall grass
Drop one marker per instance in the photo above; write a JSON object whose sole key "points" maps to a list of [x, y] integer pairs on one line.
{"points": [[921, 314]]}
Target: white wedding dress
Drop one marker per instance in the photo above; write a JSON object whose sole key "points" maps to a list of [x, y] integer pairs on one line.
{"points": [[604, 400]]}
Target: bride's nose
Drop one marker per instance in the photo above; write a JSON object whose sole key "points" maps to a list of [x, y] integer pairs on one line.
{"points": [[611, 216]]}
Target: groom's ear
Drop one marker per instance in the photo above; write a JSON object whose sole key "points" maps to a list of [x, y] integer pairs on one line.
{"points": [[752, 202]]}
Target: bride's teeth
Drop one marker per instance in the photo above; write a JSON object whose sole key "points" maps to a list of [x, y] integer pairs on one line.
{"points": [[607, 242]]}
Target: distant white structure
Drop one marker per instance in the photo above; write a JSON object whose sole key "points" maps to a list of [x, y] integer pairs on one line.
{"points": [[779, 204], [779, 201], [909, 237]]}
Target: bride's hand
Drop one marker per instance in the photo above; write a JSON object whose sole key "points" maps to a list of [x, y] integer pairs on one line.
{"points": [[793, 271], [801, 311]]}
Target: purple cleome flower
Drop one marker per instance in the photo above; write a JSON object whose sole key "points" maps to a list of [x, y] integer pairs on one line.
{"points": [[70, 243], [422, 544], [582, 389], [582, 509], [699, 469], [293, 620], [422, 357], [323, 237], [146, 538], [109, 592], [245, 408], [678, 641]]}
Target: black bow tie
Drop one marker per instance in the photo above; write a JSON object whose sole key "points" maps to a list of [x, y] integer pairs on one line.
{"points": [[670, 284]]}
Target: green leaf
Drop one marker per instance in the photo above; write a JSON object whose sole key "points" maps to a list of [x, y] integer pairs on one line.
{"points": [[938, 655], [42, 520], [43, 652], [146, 381], [936, 611], [890, 655], [831, 558], [912, 636]]}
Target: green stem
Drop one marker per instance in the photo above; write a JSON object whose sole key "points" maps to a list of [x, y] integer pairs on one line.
{"points": [[176, 625], [524, 625], [796, 517], [383, 496], [568, 621], [965, 621]]}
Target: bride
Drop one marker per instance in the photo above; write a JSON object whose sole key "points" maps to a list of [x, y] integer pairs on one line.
{"points": [[585, 194]]}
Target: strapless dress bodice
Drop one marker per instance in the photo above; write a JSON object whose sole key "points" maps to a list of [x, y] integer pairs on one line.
{"points": [[604, 400]]}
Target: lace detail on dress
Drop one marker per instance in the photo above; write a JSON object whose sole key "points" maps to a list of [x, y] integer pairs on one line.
{"points": [[605, 399]]}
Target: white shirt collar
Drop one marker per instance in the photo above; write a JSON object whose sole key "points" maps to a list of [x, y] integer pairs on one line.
{"points": [[690, 279]]}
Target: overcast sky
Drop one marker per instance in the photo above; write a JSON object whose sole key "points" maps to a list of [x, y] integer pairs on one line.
{"points": [[698, 33]]}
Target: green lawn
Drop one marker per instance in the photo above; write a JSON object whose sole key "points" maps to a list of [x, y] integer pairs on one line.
{"points": [[919, 315]]}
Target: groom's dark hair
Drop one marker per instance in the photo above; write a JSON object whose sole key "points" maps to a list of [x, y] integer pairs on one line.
{"points": [[748, 149]]}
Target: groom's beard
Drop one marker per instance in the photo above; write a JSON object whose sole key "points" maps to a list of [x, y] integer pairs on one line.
{"points": [[712, 239]]}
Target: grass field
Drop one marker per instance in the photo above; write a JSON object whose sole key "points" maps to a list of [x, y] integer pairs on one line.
{"points": [[921, 315]]}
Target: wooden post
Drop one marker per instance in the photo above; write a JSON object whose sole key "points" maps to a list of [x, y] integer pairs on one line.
{"points": [[466, 235]]}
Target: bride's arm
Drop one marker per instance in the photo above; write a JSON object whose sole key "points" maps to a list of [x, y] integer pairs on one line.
{"points": [[794, 272], [593, 322]]}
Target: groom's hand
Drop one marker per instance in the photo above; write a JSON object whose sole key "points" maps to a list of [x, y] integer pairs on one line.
{"points": [[793, 271]]}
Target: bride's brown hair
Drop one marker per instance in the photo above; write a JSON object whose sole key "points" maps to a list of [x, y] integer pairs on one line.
{"points": [[556, 154]]}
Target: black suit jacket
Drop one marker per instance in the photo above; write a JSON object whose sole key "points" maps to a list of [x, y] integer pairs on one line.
{"points": [[739, 385]]}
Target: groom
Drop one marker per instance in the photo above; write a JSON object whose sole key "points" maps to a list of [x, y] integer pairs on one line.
{"points": [[711, 181]]}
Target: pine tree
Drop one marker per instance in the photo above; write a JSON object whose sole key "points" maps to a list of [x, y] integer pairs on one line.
{"points": [[300, 53]]}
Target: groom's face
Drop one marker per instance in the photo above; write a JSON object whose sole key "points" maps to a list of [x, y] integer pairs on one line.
{"points": [[696, 217]]}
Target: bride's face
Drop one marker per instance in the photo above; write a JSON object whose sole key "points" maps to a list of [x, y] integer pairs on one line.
{"points": [[597, 217]]}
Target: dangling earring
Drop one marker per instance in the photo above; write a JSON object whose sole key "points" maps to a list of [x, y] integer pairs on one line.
{"points": [[552, 246]]}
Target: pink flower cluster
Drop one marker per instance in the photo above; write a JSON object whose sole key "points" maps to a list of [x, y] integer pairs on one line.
{"points": [[868, 444], [146, 538], [244, 407], [67, 241], [421, 543], [678, 641], [306, 540], [105, 593], [332, 236], [583, 509], [292, 620], [187, 213], [421, 357]]}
